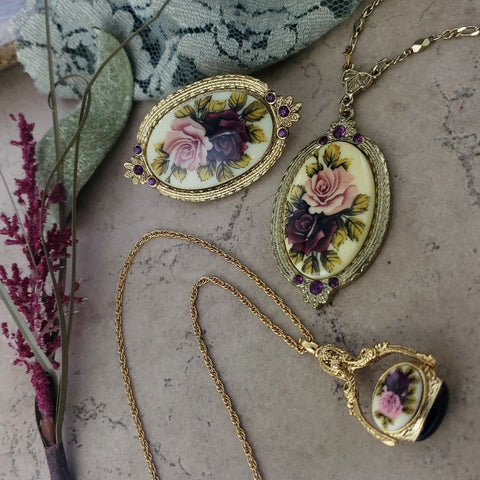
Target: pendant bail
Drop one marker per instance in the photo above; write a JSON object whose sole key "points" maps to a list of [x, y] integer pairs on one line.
{"points": [[354, 81]]}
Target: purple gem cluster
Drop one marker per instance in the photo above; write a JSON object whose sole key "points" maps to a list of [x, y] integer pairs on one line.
{"points": [[283, 112], [317, 286], [339, 132]]}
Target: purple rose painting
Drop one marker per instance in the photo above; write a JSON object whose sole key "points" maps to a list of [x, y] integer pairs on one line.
{"points": [[210, 138], [395, 395], [323, 213], [308, 232]]}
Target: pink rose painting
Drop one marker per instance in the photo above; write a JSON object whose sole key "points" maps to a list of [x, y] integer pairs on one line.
{"points": [[390, 404], [396, 394], [187, 144], [323, 213], [209, 138], [330, 191]]}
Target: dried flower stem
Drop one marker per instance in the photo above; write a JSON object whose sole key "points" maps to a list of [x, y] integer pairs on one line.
{"points": [[45, 327]]}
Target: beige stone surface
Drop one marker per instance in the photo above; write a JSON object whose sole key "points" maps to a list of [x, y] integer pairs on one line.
{"points": [[422, 291]]}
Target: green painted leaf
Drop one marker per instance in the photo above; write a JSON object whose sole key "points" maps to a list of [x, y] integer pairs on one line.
{"points": [[111, 101], [290, 210], [360, 204], [339, 237], [296, 194], [205, 173], [242, 162], [311, 265], [254, 111], [237, 100], [160, 165], [409, 400], [224, 173], [331, 154], [296, 257], [330, 259], [159, 150], [341, 162], [313, 168], [355, 228], [185, 111], [202, 102], [216, 106], [256, 134], [179, 173]]}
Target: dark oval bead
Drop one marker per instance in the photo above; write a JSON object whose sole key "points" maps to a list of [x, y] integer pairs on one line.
{"points": [[436, 414]]}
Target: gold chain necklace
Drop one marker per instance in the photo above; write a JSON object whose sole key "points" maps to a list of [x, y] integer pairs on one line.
{"points": [[428, 401], [332, 208]]}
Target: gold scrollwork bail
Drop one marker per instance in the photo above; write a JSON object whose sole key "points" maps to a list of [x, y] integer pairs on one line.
{"points": [[354, 81]]}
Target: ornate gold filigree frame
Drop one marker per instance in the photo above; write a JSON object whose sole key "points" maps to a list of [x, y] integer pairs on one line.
{"points": [[340, 364], [253, 87], [376, 235]]}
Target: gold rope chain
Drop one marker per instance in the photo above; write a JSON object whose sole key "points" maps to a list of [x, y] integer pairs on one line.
{"points": [[252, 463]]}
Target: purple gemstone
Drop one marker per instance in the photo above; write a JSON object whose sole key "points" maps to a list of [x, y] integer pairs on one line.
{"points": [[282, 132], [323, 140], [297, 279], [137, 169], [316, 287], [270, 97], [358, 138], [333, 282], [283, 111], [151, 181], [137, 149], [339, 131]]}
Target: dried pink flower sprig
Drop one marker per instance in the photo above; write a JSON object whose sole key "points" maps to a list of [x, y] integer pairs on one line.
{"points": [[32, 292]]}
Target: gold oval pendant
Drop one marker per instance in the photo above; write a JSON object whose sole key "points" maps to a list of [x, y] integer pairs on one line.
{"points": [[331, 212], [211, 138]]}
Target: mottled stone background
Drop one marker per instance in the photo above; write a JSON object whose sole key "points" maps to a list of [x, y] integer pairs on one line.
{"points": [[422, 291]]}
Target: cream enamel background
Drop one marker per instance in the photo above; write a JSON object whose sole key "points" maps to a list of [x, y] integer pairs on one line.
{"points": [[360, 169], [192, 182], [403, 418]]}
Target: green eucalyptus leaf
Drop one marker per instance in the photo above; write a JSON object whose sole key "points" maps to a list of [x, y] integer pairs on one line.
{"points": [[111, 101]]}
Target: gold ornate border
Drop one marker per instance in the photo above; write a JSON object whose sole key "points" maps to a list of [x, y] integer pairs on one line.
{"points": [[378, 229], [340, 364], [255, 88]]}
